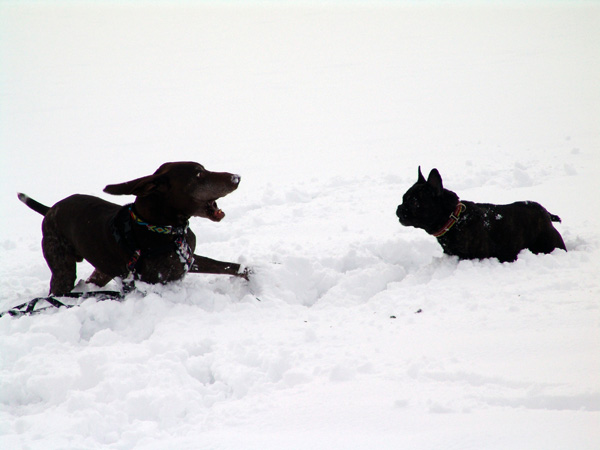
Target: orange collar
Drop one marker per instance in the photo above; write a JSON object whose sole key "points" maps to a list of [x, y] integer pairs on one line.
{"points": [[453, 219]]}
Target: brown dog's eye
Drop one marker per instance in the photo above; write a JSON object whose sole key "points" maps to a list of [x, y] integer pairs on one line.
{"points": [[200, 175]]}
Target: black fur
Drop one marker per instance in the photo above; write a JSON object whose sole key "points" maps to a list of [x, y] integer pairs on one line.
{"points": [[483, 230]]}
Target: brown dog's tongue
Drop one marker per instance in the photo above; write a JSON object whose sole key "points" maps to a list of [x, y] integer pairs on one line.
{"points": [[218, 214], [215, 213]]}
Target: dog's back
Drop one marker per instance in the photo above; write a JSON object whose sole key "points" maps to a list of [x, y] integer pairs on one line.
{"points": [[502, 231]]}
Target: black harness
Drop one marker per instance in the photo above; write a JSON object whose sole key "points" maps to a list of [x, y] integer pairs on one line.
{"points": [[122, 230]]}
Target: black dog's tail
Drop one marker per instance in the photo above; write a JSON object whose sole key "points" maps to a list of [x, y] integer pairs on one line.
{"points": [[36, 206], [554, 218]]}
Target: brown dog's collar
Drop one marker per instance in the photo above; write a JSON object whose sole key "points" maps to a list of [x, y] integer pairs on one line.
{"points": [[161, 229], [453, 219], [122, 231]]}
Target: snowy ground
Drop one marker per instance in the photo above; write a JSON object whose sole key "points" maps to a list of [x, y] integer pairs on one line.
{"points": [[326, 112]]}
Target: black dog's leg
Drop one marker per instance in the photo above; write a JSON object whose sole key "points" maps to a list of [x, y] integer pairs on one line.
{"points": [[206, 265], [547, 241]]}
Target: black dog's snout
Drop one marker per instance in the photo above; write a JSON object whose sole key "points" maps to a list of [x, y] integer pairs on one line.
{"points": [[235, 179], [403, 215], [399, 211]]}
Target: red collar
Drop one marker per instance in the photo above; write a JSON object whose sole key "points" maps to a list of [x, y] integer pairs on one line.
{"points": [[453, 219]]}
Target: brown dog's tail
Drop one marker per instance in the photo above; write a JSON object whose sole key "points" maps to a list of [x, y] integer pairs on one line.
{"points": [[36, 206]]}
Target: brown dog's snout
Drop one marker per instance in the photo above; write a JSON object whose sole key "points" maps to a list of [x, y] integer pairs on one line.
{"points": [[225, 177]]}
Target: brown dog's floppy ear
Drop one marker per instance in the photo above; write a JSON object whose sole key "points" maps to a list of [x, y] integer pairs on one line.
{"points": [[139, 187], [435, 181], [421, 177]]}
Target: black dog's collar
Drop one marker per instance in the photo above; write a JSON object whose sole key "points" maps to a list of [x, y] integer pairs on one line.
{"points": [[453, 219]]}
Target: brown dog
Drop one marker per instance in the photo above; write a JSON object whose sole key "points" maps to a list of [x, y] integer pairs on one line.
{"points": [[148, 239]]}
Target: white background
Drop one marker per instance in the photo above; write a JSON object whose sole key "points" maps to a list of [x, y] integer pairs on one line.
{"points": [[326, 112]]}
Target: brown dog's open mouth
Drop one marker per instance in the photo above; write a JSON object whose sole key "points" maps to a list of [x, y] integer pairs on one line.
{"points": [[214, 212]]}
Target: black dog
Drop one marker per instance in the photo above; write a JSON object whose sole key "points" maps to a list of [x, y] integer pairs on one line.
{"points": [[477, 230], [149, 238]]}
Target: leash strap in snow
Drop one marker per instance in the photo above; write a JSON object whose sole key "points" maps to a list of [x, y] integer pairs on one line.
{"points": [[29, 308]]}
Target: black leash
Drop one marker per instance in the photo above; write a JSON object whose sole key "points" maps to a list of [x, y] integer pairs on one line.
{"points": [[28, 308]]}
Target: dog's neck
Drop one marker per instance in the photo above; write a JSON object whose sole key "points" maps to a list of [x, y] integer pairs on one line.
{"points": [[158, 213], [143, 239], [160, 229], [454, 217]]}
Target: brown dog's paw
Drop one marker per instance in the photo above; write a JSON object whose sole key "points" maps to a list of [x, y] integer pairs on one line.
{"points": [[245, 273]]}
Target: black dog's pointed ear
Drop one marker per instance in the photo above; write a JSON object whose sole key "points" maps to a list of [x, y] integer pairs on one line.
{"points": [[421, 177], [140, 186], [435, 181]]}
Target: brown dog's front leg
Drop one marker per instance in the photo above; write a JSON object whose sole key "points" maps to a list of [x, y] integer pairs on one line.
{"points": [[99, 279], [206, 265]]}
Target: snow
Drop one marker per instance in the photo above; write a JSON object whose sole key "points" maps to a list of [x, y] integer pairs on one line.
{"points": [[354, 332]]}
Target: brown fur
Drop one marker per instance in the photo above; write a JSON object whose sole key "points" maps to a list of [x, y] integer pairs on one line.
{"points": [[82, 227]]}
